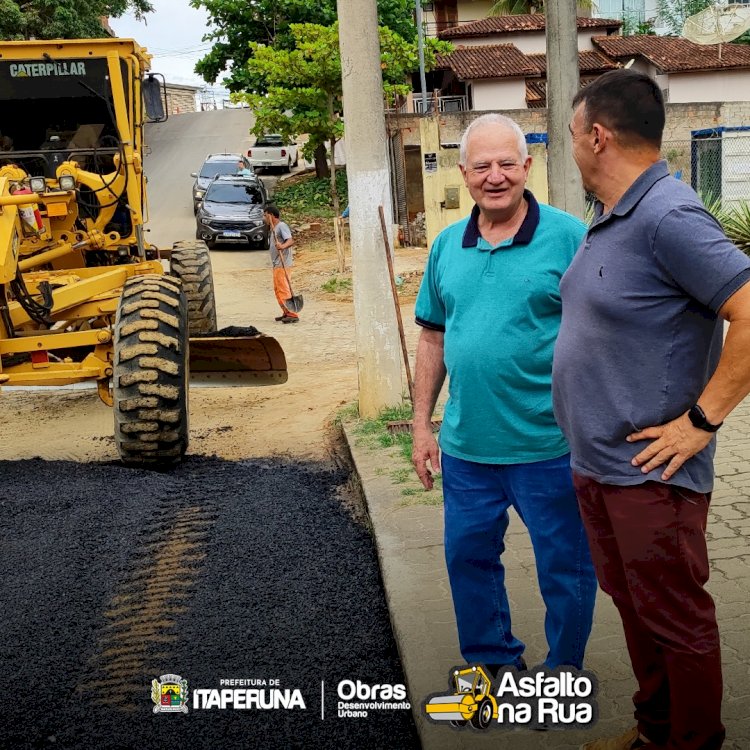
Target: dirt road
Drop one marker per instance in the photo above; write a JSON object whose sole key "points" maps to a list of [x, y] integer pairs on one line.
{"points": [[232, 423]]}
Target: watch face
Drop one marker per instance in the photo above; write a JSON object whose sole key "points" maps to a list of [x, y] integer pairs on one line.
{"points": [[698, 418]]}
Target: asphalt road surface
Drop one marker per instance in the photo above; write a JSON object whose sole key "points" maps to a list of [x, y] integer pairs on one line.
{"points": [[216, 571], [220, 570]]}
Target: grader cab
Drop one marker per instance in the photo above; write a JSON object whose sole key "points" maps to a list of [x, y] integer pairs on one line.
{"points": [[83, 295]]}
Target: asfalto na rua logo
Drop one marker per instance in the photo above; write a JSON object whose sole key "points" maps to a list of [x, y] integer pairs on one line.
{"points": [[471, 701], [563, 697], [169, 694]]}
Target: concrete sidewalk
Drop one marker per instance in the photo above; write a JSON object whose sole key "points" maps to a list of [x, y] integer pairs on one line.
{"points": [[410, 548]]}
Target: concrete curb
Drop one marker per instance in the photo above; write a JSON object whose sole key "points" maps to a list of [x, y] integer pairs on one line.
{"points": [[410, 551]]}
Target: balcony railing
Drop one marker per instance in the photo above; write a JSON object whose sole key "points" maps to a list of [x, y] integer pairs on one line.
{"points": [[452, 103]]}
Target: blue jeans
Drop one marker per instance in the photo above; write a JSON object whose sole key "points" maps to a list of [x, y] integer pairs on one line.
{"points": [[477, 498]]}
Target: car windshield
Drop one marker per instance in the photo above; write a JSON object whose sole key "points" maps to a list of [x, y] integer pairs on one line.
{"points": [[233, 192], [269, 140], [213, 168]]}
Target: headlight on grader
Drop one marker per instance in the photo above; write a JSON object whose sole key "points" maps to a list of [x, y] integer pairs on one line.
{"points": [[67, 182], [38, 185]]}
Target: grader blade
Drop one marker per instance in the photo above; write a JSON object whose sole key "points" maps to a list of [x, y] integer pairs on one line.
{"points": [[237, 360]]}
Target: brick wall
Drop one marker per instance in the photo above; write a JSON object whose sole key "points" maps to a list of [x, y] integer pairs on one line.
{"points": [[180, 100], [681, 119]]}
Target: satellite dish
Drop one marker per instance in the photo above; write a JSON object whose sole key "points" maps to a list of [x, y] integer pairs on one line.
{"points": [[717, 24]]}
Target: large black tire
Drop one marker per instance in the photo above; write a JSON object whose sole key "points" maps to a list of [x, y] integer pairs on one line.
{"points": [[483, 715], [191, 264], [151, 372]]}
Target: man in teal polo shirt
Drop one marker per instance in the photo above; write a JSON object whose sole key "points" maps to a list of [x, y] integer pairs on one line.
{"points": [[489, 306]]}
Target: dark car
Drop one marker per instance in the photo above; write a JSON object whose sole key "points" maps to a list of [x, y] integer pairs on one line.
{"points": [[214, 165], [232, 212]]}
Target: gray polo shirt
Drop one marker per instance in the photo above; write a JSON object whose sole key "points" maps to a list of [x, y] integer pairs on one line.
{"points": [[640, 335]]}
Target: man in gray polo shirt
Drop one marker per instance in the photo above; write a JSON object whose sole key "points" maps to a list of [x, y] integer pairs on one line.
{"points": [[640, 386]]}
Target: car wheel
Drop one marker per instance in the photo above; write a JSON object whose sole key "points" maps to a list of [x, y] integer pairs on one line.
{"points": [[296, 160], [288, 167]]}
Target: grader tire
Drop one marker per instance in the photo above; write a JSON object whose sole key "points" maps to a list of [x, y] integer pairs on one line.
{"points": [[151, 372], [191, 263]]}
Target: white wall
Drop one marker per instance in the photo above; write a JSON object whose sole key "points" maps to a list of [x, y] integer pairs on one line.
{"points": [[468, 10], [716, 86], [473, 10], [529, 42], [499, 93]]}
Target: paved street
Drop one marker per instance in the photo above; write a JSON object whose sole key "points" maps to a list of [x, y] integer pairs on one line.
{"points": [[410, 548]]}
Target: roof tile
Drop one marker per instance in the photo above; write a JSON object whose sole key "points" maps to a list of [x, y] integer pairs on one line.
{"points": [[487, 61], [675, 54], [507, 61], [520, 22]]}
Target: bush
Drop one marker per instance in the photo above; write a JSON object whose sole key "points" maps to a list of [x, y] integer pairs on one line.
{"points": [[734, 220], [736, 223], [310, 197]]}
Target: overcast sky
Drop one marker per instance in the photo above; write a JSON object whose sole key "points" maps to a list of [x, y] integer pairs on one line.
{"points": [[172, 33]]}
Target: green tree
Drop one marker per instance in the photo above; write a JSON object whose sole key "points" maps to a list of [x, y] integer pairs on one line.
{"points": [[63, 19], [633, 25], [674, 12], [302, 85], [235, 24]]}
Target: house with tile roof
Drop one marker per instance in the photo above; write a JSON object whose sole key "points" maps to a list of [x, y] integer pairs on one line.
{"points": [[686, 72], [499, 63]]}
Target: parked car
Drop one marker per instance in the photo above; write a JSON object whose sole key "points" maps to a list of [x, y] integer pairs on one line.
{"points": [[273, 151], [231, 212], [216, 164]]}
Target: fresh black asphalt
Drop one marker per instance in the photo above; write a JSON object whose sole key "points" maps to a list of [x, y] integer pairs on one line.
{"points": [[111, 577]]}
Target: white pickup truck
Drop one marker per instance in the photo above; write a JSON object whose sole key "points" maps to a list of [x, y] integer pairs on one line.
{"points": [[273, 151]]}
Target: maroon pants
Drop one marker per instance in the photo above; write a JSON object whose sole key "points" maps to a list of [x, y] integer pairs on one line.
{"points": [[648, 545]]}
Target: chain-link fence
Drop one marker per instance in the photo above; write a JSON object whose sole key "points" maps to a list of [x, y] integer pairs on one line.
{"points": [[716, 166]]}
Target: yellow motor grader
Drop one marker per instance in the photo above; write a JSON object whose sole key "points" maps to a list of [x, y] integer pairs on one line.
{"points": [[83, 296]]}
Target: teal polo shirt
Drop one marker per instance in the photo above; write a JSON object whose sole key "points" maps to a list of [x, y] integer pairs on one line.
{"points": [[500, 310]]}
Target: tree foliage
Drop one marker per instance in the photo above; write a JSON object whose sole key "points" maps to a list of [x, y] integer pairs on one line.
{"points": [[63, 19], [302, 85], [238, 23], [633, 25], [674, 12]]}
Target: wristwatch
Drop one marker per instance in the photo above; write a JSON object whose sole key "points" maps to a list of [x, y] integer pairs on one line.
{"points": [[698, 417]]}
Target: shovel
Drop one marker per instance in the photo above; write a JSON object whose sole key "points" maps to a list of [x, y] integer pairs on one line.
{"points": [[296, 303]]}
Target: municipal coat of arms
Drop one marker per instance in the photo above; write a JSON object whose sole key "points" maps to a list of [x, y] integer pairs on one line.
{"points": [[169, 694]]}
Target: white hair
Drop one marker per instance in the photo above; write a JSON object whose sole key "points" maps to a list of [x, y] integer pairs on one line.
{"points": [[493, 119]]}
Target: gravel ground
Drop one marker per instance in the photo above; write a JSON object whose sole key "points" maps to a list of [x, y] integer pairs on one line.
{"points": [[219, 570]]}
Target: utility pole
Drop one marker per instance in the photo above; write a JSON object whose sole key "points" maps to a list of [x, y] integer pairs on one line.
{"points": [[376, 334], [420, 45], [565, 190]]}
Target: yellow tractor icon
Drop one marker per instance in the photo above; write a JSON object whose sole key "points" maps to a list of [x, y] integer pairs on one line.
{"points": [[472, 700]]}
